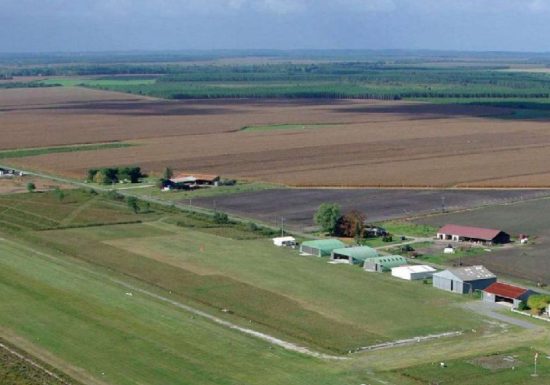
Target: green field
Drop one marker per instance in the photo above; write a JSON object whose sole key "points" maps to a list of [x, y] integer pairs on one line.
{"points": [[183, 196], [502, 368], [21, 153], [83, 286], [88, 322]]}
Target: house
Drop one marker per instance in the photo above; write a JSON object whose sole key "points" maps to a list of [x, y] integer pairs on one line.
{"points": [[321, 248], [464, 280], [503, 292], [384, 263], [413, 272], [459, 233], [353, 255], [187, 180], [284, 241]]}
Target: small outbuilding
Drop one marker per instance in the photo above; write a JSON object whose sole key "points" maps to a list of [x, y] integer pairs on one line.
{"points": [[384, 263], [459, 233], [503, 292], [413, 272], [464, 280], [353, 255], [284, 241], [321, 247]]}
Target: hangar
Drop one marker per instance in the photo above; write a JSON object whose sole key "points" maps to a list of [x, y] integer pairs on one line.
{"points": [[464, 280], [413, 272], [353, 255], [503, 292], [384, 263], [321, 248]]}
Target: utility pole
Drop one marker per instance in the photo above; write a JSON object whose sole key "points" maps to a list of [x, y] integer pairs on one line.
{"points": [[282, 226], [442, 203]]}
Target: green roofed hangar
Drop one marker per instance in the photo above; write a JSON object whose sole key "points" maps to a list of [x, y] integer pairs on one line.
{"points": [[384, 263], [321, 248], [353, 255]]}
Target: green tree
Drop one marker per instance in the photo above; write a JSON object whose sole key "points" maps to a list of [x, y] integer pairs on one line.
{"points": [[133, 204], [221, 218], [168, 173], [538, 302], [31, 187], [327, 217], [59, 194]]}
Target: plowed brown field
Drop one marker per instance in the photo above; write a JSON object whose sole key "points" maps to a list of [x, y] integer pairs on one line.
{"points": [[361, 143]]}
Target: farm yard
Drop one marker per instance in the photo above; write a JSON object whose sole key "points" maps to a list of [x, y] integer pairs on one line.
{"points": [[297, 206], [530, 262], [335, 143]]}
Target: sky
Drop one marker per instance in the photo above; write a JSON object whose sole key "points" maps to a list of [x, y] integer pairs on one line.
{"points": [[121, 25]]}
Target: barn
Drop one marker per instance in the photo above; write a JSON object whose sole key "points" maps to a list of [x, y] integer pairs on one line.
{"points": [[353, 255], [321, 248], [464, 280], [384, 263], [459, 233], [413, 272], [194, 180], [503, 292]]}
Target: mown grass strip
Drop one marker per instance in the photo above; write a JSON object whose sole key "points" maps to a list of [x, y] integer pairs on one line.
{"points": [[25, 152]]}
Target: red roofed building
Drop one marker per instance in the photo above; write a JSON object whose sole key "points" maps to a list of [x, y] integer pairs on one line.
{"points": [[503, 292], [459, 233]]}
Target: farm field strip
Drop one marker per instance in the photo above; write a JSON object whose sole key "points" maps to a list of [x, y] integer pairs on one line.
{"points": [[160, 332], [262, 336], [415, 141]]}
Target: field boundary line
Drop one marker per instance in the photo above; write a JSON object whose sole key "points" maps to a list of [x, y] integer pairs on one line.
{"points": [[407, 341], [34, 363], [250, 332]]}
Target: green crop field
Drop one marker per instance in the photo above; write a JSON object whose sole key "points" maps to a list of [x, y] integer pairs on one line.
{"points": [[5, 154]]}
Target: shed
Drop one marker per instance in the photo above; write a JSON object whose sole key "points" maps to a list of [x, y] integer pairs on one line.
{"points": [[464, 280], [384, 263], [284, 241], [354, 255], [503, 292], [321, 248], [459, 233], [412, 272]]}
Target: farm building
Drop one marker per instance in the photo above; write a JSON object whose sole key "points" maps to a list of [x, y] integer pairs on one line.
{"points": [[464, 280], [412, 272], [384, 263], [321, 248], [472, 234], [284, 241], [194, 180], [503, 292], [354, 255]]}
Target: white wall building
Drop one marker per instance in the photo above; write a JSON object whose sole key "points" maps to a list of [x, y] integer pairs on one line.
{"points": [[412, 272]]}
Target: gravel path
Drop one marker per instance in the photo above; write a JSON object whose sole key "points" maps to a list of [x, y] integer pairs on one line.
{"points": [[490, 310]]}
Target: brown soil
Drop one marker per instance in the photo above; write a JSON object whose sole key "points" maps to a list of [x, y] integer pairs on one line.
{"points": [[370, 143]]}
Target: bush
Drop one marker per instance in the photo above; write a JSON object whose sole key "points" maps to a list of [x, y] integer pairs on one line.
{"points": [[221, 218], [387, 238], [523, 306], [31, 187]]}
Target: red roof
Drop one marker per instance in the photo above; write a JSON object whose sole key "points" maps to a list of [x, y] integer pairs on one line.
{"points": [[505, 290], [470, 232]]}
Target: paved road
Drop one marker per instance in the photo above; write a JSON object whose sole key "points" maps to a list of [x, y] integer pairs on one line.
{"points": [[490, 310]]}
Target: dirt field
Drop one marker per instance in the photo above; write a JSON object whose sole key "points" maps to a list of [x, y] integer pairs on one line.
{"points": [[297, 206], [530, 262], [11, 185], [371, 143]]}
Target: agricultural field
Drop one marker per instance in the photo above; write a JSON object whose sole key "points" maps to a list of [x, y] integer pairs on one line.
{"points": [[530, 262], [297, 206], [358, 149], [502, 368], [18, 184], [86, 272]]}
